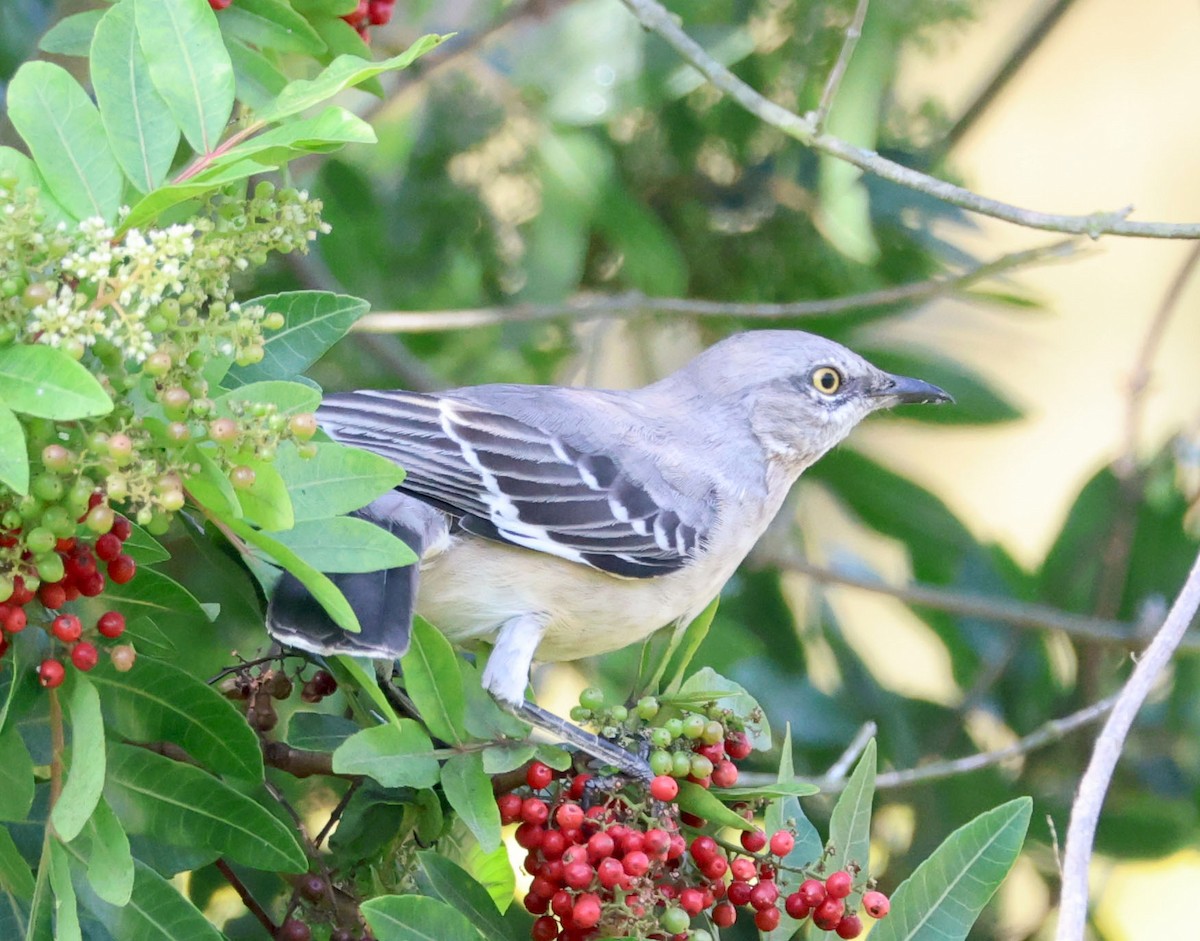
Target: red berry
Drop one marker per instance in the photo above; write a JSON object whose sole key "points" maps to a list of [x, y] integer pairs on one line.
{"points": [[219, 4], [600, 846], [553, 844], [876, 904], [323, 683], [657, 842], [664, 788], [739, 892], [84, 656], [293, 929], [691, 900], [849, 927], [536, 904], [111, 624], [535, 811], [813, 892], [725, 773], [538, 775], [15, 620], [51, 673], [544, 929], [122, 569], [52, 595], [724, 915], [561, 903], [91, 586], [380, 12], [826, 915], [67, 628], [586, 913], [782, 843], [767, 919], [636, 863], [796, 907], [569, 817], [839, 884], [509, 806], [578, 875], [738, 746], [764, 895], [753, 840], [543, 887], [21, 595], [703, 849], [714, 868], [121, 528], [610, 872], [742, 869], [108, 546]]}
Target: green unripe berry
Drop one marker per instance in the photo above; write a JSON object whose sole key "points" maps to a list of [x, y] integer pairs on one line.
{"points": [[59, 520], [307, 451], [117, 487], [30, 508], [713, 732], [157, 364], [196, 385], [674, 727], [274, 320], [693, 726], [47, 487], [120, 449], [159, 523], [171, 501], [144, 516], [156, 323], [222, 430], [592, 698], [579, 714], [74, 348], [202, 407], [178, 432], [660, 738], [661, 762], [175, 401], [11, 519], [647, 707], [6, 588], [40, 540], [681, 764], [674, 921], [242, 477], [618, 713], [37, 294], [701, 766], [56, 457], [49, 567], [100, 519]]}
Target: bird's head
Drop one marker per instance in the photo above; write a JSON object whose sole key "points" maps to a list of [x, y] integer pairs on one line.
{"points": [[803, 393]]}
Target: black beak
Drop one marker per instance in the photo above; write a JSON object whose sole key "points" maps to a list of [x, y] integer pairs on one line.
{"points": [[904, 390]]}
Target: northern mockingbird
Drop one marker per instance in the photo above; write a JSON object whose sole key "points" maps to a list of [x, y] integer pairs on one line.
{"points": [[559, 523]]}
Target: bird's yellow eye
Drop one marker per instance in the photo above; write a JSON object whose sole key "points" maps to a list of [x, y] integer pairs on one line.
{"points": [[826, 379]]}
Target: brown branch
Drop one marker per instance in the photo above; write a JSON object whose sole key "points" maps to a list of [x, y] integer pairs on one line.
{"points": [[58, 745], [247, 897], [834, 81], [300, 763], [632, 303], [654, 17]]}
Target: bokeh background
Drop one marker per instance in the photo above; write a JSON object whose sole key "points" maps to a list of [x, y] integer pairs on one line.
{"points": [[553, 169]]}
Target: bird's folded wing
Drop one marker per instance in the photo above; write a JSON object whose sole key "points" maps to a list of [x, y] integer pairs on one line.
{"points": [[509, 480]]}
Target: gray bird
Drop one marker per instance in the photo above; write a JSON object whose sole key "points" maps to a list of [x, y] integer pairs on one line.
{"points": [[559, 523]]}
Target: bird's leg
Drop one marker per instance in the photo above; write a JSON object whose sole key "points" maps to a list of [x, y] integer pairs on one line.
{"points": [[507, 675]]}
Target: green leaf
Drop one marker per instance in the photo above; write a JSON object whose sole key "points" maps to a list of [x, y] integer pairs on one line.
{"points": [[150, 206], [735, 697], [469, 791], [16, 878], [110, 870], [492, 870], [684, 647], [328, 131], [433, 682], [66, 911], [337, 480], [484, 718], [701, 802], [318, 731], [266, 501], [81, 792], [506, 756], [72, 35], [16, 776], [152, 594], [144, 548], [343, 72], [189, 66], [290, 398], [946, 893], [313, 322], [850, 824], [209, 486], [779, 789], [258, 80], [416, 918], [270, 24], [395, 755], [160, 702], [442, 879], [346, 544], [14, 453], [40, 908], [155, 912], [56, 118], [186, 806], [39, 380], [322, 589], [141, 130]]}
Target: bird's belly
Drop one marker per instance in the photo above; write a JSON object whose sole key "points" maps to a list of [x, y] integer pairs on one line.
{"points": [[470, 590]]}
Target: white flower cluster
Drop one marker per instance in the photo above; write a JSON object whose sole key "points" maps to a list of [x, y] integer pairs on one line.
{"points": [[130, 277]]}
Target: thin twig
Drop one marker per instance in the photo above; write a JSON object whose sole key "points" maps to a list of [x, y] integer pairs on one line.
{"points": [[840, 768], [832, 83], [1020, 614], [336, 814], [1085, 812], [632, 303], [657, 19], [247, 897]]}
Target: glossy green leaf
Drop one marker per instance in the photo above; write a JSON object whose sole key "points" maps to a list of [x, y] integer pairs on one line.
{"points": [[61, 126], [491, 869], [258, 79], [326, 132], [147, 209], [14, 453], [787, 788], [270, 24], [144, 548], [469, 791], [703, 803], [850, 824], [66, 911], [684, 646], [141, 130], [734, 697], [16, 878], [319, 731], [346, 544], [313, 322], [433, 682], [155, 912], [946, 893], [395, 755], [337, 480], [266, 501], [181, 804], [110, 869], [16, 776], [41, 908], [289, 398], [72, 35], [484, 718], [189, 66], [343, 72], [416, 918], [210, 487], [160, 702], [440, 878], [85, 779], [152, 594], [43, 381], [322, 589]]}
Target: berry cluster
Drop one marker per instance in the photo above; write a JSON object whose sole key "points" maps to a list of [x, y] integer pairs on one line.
{"points": [[258, 689], [65, 568], [370, 13]]}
